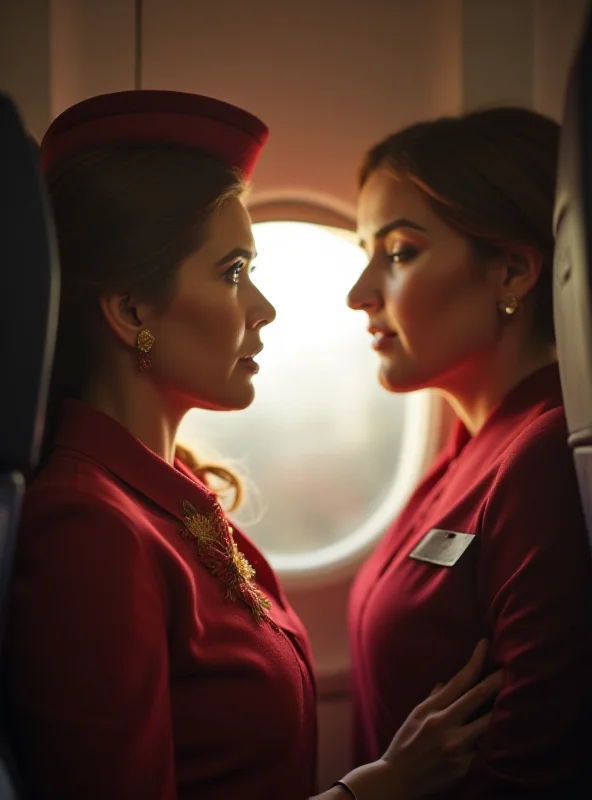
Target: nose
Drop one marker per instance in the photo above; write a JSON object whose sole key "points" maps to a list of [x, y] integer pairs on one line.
{"points": [[365, 294], [262, 311]]}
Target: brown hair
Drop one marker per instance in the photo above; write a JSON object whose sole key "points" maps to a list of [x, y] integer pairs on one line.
{"points": [[490, 175], [126, 217]]}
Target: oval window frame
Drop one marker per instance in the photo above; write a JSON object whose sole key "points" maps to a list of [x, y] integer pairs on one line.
{"points": [[423, 433]]}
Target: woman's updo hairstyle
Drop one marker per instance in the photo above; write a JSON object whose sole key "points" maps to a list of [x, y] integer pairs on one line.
{"points": [[490, 175]]}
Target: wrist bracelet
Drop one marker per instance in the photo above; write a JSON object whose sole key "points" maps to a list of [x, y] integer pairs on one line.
{"points": [[347, 788]]}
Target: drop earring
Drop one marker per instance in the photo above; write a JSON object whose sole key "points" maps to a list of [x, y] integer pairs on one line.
{"points": [[509, 305], [144, 344]]}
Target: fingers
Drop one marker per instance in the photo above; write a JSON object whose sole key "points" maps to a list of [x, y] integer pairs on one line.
{"points": [[462, 681], [436, 689], [469, 734], [472, 700], [461, 746]]}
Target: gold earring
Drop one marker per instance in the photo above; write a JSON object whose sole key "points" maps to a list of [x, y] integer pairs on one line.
{"points": [[144, 344], [509, 305]]}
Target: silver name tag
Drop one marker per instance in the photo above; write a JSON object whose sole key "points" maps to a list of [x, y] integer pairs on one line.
{"points": [[442, 547]]}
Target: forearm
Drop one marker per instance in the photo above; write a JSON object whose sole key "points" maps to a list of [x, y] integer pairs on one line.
{"points": [[335, 793], [375, 781]]}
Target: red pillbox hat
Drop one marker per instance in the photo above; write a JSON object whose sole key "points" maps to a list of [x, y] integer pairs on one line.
{"points": [[145, 116]]}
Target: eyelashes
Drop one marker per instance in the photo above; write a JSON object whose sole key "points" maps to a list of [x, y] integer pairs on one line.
{"points": [[403, 254], [234, 272]]}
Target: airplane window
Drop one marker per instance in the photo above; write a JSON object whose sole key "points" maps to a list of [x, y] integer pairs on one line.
{"points": [[327, 453]]}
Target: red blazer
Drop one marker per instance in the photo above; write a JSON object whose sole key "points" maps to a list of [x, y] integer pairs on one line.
{"points": [[525, 582], [130, 675]]}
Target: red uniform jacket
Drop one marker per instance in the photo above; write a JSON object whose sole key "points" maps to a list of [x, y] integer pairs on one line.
{"points": [[130, 675], [525, 582]]}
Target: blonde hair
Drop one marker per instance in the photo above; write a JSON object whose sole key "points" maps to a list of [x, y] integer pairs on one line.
{"points": [[220, 479]]}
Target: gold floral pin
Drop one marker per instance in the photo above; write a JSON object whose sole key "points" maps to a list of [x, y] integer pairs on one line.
{"points": [[218, 552]]}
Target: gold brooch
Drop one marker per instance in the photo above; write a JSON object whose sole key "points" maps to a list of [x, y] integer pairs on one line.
{"points": [[220, 555]]}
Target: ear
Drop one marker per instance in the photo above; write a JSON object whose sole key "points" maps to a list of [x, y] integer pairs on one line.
{"points": [[124, 316], [520, 269]]}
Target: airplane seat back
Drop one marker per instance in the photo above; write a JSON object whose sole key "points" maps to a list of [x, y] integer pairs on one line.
{"points": [[29, 297], [572, 271]]}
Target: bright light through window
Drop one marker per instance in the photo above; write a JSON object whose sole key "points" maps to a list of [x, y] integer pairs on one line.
{"points": [[321, 443]]}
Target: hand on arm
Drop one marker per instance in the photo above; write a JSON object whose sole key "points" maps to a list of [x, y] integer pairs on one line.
{"points": [[434, 747]]}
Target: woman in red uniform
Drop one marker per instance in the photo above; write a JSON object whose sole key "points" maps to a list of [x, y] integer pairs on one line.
{"points": [[150, 652], [456, 218]]}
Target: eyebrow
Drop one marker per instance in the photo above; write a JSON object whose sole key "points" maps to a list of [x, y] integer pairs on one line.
{"points": [[238, 252], [402, 222]]}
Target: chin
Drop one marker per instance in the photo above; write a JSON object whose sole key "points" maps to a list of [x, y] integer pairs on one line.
{"points": [[235, 401], [398, 383], [238, 399], [238, 404]]}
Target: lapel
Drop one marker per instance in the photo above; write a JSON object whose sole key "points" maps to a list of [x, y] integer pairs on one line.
{"points": [[466, 458], [536, 394], [99, 438]]}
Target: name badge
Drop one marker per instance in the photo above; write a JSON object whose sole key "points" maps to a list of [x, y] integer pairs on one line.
{"points": [[442, 547]]}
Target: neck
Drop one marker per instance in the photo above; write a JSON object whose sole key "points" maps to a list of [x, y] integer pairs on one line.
{"points": [[477, 389], [135, 402]]}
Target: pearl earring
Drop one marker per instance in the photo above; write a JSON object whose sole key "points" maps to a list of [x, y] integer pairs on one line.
{"points": [[509, 305]]}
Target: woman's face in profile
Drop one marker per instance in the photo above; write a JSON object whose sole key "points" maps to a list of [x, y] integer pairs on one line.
{"points": [[430, 303], [212, 324]]}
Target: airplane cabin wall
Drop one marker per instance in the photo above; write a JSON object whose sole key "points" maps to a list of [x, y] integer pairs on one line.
{"points": [[329, 87], [25, 61]]}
